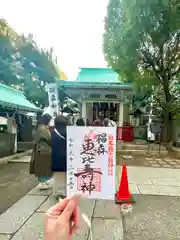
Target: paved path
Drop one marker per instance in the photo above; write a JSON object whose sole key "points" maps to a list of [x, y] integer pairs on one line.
{"points": [[15, 182], [16, 157], [153, 217], [154, 181], [147, 160]]}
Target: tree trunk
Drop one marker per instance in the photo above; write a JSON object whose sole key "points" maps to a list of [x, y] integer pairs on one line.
{"points": [[168, 114], [168, 129]]}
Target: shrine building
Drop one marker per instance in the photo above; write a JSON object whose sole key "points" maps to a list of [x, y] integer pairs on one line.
{"points": [[99, 91]]}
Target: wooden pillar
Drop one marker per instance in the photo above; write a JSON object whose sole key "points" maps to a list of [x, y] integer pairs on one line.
{"points": [[84, 110], [121, 114], [89, 114]]}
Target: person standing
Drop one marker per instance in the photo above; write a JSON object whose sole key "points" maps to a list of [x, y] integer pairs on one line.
{"points": [[112, 123], [106, 122], [98, 123], [80, 122], [88, 123], [101, 117], [109, 123], [59, 156], [40, 164]]}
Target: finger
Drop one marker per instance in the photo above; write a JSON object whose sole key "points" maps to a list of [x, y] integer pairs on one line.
{"points": [[77, 217], [76, 220], [58, 208], [70, 208]]}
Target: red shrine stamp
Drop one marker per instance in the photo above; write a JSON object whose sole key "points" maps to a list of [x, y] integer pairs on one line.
{"points": [[89, 181]]}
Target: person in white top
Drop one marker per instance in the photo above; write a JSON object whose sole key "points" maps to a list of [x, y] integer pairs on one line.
{"points": [[109, 123], [112, 123]]}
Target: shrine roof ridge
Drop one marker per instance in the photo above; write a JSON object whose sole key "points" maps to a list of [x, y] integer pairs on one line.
{"points": [[91, 77], [79, 84], [99, 75]]}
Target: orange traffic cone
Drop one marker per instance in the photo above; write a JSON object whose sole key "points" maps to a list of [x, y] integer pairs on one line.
{"points": [[124, 195]]}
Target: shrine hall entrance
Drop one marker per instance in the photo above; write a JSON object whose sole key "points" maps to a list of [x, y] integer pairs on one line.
{"points": [[108, 110]]}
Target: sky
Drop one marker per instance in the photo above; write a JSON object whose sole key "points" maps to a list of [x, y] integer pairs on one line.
{"points": [[74, 28]]}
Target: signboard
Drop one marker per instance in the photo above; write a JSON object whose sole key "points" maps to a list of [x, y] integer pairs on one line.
{"points": [[155, 128], [53, 99], [91, 154]]}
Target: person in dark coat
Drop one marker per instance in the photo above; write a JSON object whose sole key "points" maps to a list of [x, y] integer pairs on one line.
{"points": [[80, 122], [88, 123], [40, 164], [59, 156]]}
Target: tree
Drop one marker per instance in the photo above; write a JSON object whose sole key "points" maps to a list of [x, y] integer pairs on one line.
{"points": [[26, 66], [9, 69], [39, 69], [37, 62], [142, 43]]}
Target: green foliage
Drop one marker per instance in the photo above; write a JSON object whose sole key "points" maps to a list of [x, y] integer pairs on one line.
{"points": [[35, 93], [142, 43], [142, 36], [8, 69], [24, 64], [39, 68], [37, 62]]}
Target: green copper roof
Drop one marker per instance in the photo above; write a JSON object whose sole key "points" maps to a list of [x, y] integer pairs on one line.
{"points": [[12, 98], [96, 77]]}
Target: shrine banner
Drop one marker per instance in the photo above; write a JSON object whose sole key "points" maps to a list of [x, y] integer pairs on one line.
{"points": [[53, 97], [91, 164]]}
